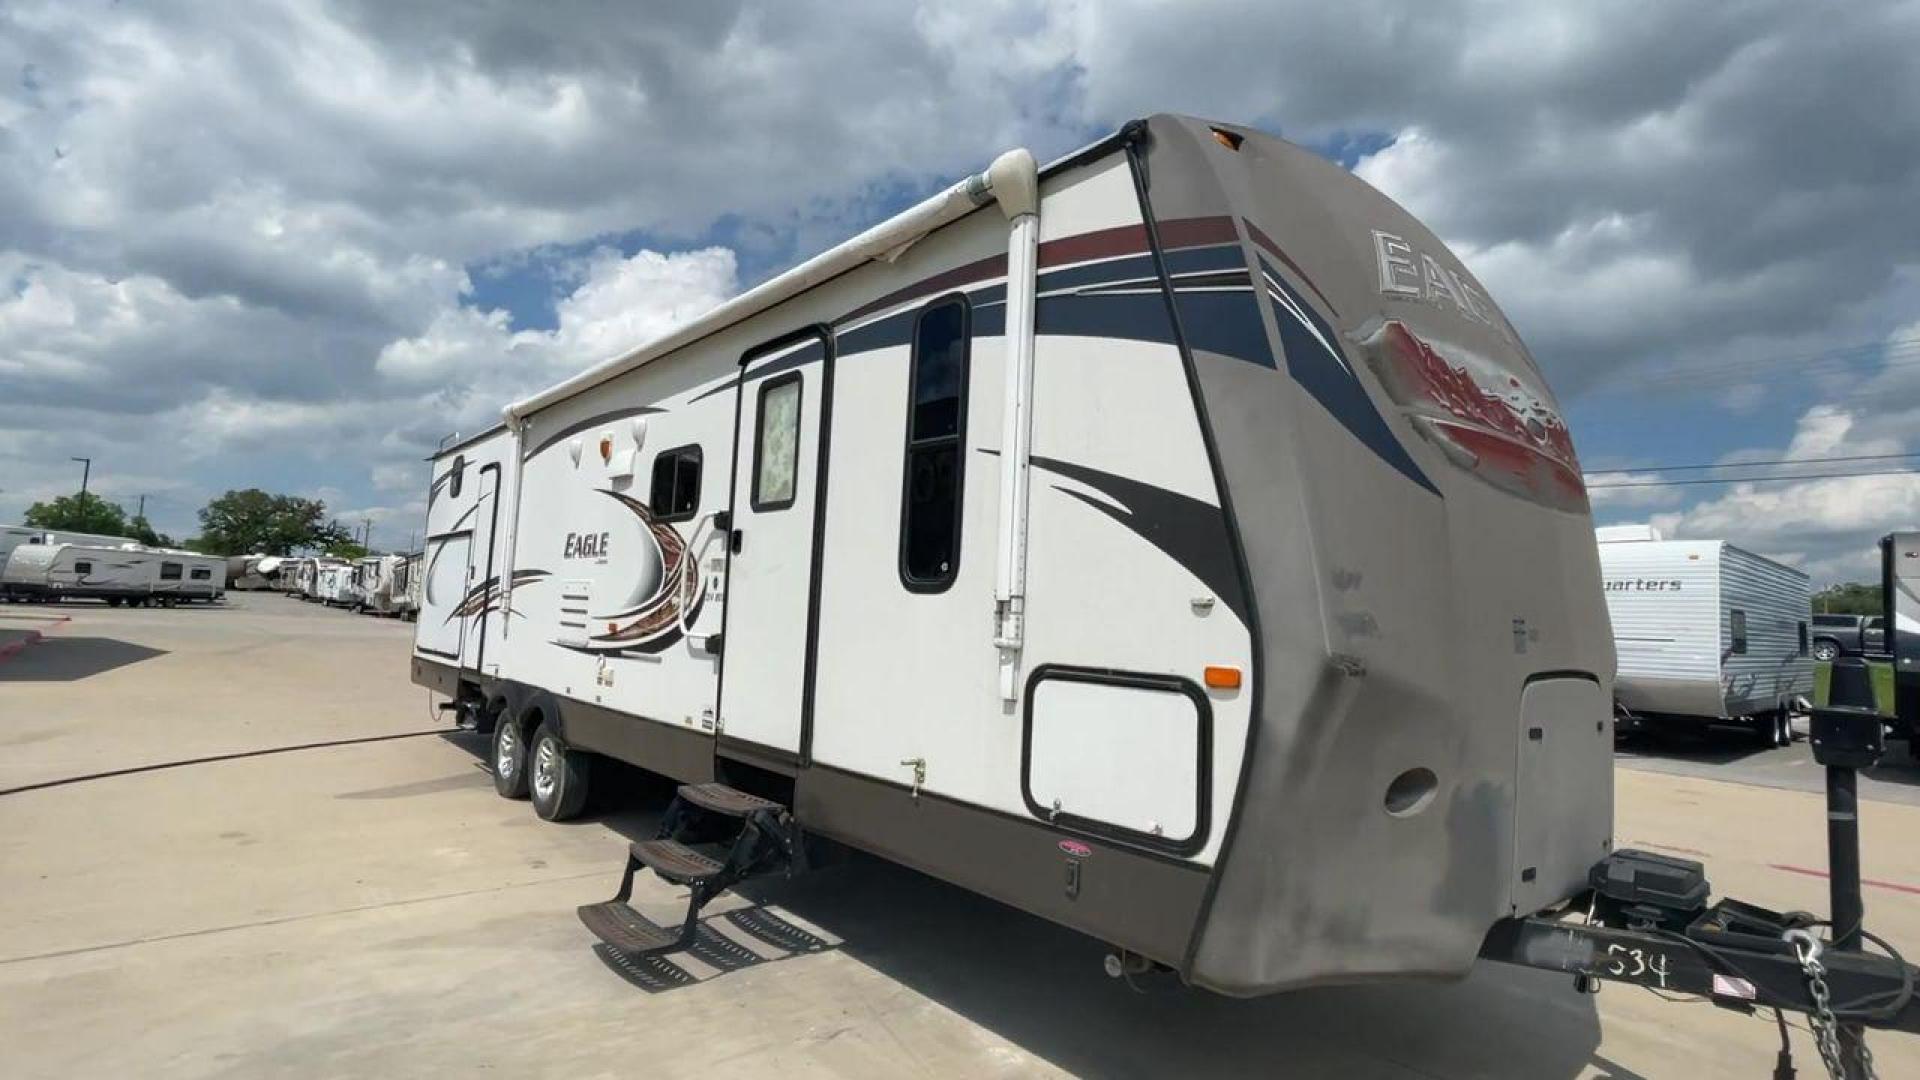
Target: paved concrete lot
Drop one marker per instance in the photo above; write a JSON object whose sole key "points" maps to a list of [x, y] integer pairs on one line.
{"points": [[372, 908]]}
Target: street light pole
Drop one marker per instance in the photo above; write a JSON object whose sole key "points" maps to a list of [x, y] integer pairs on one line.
{"points": [[86, 470]]}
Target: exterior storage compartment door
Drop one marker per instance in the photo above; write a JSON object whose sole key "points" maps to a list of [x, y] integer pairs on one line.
{"points": [[1563, 801], [1118, 755]]}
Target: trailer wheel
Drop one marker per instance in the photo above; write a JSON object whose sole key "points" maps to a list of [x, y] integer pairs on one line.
{"points": [[1782, 727], [558, 777], [509, 760]]}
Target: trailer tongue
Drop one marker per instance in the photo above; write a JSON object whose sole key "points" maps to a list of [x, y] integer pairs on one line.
{"points": [[1646, 920]]}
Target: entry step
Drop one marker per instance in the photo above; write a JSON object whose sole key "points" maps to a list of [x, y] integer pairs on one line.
{"points": [[721, 799], [626, 929], [675, 861]]}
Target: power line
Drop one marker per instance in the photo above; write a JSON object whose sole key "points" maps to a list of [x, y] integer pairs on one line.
{"points": [[1749, 464], [1754, 479]]}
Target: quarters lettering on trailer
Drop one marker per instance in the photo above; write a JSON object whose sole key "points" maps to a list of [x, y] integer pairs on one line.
{"points": [[1642, 585], [585, 546]]}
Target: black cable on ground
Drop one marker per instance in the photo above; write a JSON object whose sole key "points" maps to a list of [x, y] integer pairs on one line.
{"points": [[216, 757]]}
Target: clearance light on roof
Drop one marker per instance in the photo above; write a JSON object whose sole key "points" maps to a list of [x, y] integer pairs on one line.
{"points": [[1223, 678], [1230, 140]]}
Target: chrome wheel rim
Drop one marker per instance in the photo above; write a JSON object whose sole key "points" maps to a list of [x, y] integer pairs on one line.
{"points": [[546, 769], [507, 752]]}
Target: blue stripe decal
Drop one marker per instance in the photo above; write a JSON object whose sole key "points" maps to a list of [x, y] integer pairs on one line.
{"points": [[1316, 363]]}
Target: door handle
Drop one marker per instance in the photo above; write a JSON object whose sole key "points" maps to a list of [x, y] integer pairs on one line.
{"points": [[737, 538]]}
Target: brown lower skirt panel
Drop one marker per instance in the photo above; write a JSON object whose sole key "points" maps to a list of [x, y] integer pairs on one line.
{"points": [[681, 753], [1136, 901], [435, 676]]}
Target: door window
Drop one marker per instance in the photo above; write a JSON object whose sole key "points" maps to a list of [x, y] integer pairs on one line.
{"points": [[1737, 630], [776, 450]]}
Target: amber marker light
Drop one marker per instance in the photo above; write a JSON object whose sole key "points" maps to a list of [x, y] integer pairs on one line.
{"points": [[1223, 678]]}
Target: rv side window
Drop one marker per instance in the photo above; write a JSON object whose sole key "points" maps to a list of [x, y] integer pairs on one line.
{"points": [[676, 484], [776, 449], [170, 571], [935, 465], [1803, 639], [455, 475], [201, 573], [1737, 629], [83, 568]]}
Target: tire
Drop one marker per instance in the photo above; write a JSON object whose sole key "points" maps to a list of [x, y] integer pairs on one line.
{"points": [[557, 777], [1782, 728], [113, 601], [509, 760], [1826, 650]]}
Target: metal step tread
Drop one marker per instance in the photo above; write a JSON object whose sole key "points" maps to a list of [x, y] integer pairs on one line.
{"points": [[626, 929], [722, 799], [675, 861]]}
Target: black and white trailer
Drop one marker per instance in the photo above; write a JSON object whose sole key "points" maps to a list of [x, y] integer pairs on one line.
{"points": [[1175, 542]]}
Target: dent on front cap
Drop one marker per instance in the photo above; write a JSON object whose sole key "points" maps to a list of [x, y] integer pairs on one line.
{"points": [[1491, 418]]}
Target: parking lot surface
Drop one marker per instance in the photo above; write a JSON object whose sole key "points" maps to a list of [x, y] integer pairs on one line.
{"points": [[330, 887]]}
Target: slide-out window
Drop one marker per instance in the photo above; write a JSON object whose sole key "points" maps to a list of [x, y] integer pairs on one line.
{"points": [[201, 573], [776, 449], [1803, 639], [170, 571], [1737, 630], [935, 462], [83, 568], [676, 484]]}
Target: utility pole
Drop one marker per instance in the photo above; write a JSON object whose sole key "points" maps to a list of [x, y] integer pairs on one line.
{"points": [[86, 470], [142, 512]]}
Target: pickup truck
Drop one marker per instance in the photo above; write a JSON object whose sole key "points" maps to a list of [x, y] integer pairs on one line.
{"points": [[1848, 635]]}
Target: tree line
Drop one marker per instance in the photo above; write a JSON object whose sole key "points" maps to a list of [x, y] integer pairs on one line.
{"points": [[245, 522]]}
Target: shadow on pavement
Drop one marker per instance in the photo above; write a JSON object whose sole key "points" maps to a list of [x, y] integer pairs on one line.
{"points": [[1042, 986], [64, 658]]}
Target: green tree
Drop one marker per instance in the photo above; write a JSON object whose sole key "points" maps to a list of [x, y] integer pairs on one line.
{"points": [[250, 521], [142, 530], [81, 512], [347, 549], [1851, 598]]}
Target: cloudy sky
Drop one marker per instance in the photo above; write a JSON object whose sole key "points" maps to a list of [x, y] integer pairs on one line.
{"points": [[293, 244]]}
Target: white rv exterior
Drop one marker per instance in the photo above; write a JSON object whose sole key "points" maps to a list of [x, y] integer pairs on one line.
{"points": [[333, 583], [117, 575], [1175, 543], [407, 586], [374, 584], [1708, 631], [12, 536]]}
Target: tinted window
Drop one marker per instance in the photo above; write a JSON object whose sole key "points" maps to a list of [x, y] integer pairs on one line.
{"points": [[1877, 622], [201, 573], [935, 463], [170, 571], [455, 476], [1833, 620], [776, 451], [1737, 629], [83, 568], [676, 484]]}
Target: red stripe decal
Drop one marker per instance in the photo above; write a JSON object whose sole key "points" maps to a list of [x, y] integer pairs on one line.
{"points": [[1895, 886], [1273, 249]]}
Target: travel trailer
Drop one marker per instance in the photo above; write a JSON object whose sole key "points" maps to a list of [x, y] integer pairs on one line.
{"points": [[132, 575], [306, 576], [1706, 633], [406, 587], [333, 583], [373, 584], [1175, 542], [254, 572]]}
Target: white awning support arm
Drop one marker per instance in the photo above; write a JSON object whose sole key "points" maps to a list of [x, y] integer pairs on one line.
{"points": [[1015, 182]]}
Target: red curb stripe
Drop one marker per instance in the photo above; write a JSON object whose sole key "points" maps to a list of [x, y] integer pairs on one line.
{"points": [[1895, 886]]}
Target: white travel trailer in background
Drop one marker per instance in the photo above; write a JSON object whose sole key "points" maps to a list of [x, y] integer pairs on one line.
{"points": [[254, 572], [1706, 633], [130, 574], [406, 587], [374, 584], [12, 536], [1176, 543], [333, 583]]}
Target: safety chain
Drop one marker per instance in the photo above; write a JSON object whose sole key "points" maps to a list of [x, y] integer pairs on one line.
{"points": [[1826, 1027]]}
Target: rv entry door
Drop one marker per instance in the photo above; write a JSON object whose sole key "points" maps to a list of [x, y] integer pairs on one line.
{"points": [[772, 562]]}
